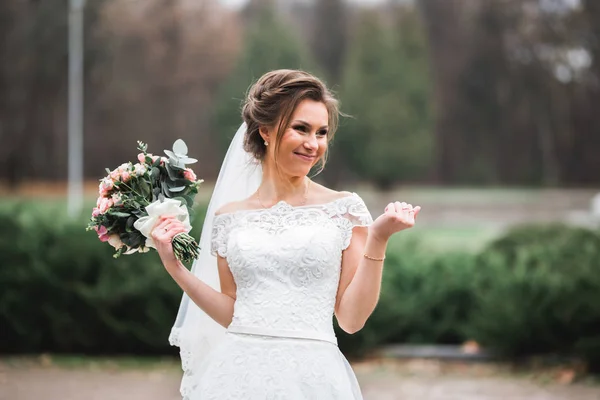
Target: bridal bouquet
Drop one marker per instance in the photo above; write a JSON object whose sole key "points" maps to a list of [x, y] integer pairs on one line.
{"points": [[133, 197]]}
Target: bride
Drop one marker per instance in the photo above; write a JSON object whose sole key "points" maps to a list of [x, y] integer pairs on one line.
{"points": [[280, 255]]}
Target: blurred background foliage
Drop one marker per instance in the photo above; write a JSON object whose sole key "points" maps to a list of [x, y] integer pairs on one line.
{"points": [[455, 102], [534, 290], [468, 92]]}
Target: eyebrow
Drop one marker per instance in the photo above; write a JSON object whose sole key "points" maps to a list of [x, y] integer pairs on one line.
{"points": [[299, 121]]}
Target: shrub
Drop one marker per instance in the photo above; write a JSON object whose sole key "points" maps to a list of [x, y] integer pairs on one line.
{"points": [[63, 292], [537, 291], [425, 298]]}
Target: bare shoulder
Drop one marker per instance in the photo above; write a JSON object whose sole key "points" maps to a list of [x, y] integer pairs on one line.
{"points": [[322, 194], [236, 206]]}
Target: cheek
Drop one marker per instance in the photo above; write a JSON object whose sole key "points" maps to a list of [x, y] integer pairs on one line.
{"points": [[323, 145]]}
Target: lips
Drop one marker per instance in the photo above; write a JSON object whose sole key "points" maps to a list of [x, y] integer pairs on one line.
{"points": [[305, 157]]}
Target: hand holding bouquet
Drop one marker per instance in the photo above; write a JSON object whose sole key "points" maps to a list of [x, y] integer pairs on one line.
{"points": [[133, 197]]}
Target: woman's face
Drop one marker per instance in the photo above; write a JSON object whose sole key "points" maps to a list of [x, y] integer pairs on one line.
{"points": [[304, 141]]}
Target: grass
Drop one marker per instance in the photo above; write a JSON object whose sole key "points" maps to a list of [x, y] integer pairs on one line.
{"points": [[442, 239]]}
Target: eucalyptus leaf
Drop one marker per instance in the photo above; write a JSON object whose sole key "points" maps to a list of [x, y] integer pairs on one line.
{"points": [[188, 160], [180, 147], [171, 154], [176, 163], [145, 188], [120, 214], [139, 213], [189, 200], [173, 173], [129, 225], [177, 189], [108, 171]]}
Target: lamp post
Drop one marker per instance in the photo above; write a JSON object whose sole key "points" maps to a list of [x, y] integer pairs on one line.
{"points": [[75, 127]]}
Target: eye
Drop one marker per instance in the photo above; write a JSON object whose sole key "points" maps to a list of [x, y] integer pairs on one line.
{"points": [[322, 132], [300, 128]]}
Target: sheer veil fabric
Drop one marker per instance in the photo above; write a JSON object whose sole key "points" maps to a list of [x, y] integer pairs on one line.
{"points": [[194, 332]]}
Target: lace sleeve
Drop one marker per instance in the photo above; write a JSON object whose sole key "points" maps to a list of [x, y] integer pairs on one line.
{"points": [[349, 212], [220, 234]]}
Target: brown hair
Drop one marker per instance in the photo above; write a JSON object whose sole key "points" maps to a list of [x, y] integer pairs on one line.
{"points": [[274, 97]]}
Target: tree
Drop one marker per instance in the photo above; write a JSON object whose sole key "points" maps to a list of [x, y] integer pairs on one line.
{"points": [[447, 33], [386, 91], [269, 45], [329, 36]]}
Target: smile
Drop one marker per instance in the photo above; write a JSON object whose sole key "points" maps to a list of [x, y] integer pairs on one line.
{"points": [[305, 157]]}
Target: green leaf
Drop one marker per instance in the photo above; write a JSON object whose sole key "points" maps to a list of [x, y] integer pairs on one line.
{"points": [[180, 148], [173, 172], [129, 225], [155, 173], [119, 214], [177, 189], [145, 188]]}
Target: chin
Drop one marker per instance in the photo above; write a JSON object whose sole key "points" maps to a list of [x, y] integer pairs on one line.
{"points": [[298, 172]]}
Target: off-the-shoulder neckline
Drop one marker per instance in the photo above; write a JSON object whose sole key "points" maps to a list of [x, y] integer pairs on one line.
{"points": [[285, 204]]}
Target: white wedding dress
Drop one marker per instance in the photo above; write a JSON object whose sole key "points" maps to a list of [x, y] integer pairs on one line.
{"points": [[286, 263]]}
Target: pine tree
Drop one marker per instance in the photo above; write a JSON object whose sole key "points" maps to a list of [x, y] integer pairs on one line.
{"points": [[386, 90]]}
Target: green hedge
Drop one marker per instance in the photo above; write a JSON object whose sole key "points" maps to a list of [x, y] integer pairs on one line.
{"points": [[425, 298], [534, 291], [61, 290], [537, 291]]}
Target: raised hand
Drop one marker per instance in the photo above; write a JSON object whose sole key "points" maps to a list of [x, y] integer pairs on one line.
{"points": [[397, 217], [163, 233]]}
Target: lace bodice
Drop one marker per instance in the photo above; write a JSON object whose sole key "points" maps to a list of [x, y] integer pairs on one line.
{"points": [[286, 263]]}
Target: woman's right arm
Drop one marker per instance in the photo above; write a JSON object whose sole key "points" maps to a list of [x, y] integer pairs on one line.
{"points": [[218, 305]]}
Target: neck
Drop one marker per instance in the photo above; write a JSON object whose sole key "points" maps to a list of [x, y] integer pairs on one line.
{"points": [[276, 187]]}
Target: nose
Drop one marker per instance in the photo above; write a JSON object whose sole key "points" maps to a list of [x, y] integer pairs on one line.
{"points": [[311, 143]]}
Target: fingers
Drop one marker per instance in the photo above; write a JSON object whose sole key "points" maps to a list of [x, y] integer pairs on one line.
{"points": [[166, 228], [417, 210], [390, 208], [404, 211]]}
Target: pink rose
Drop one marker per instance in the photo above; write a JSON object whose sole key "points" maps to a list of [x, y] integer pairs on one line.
{"points": [[106, 185], [141, 158], [139, 169], [115, 174], [189, 175], [105, 204], [96, 212], [117, 199], [102, 233], [125, 176]]}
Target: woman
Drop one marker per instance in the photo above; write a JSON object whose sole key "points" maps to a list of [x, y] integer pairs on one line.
{"points": [[290, 254]]}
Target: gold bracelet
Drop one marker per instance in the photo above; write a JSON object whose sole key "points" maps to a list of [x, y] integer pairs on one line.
{"points": [[373, 258]]}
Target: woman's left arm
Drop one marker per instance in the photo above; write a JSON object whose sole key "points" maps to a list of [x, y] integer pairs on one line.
{"points": [[360, 280]]}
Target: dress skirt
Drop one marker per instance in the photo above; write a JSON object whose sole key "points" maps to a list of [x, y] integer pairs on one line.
{"points": [[254, 367]]}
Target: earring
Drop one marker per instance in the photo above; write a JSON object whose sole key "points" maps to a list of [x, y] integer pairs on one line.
{"points": [[266, 143]]}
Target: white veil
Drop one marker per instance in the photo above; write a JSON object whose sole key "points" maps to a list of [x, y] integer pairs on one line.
{"points": [[194, 331]]}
